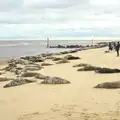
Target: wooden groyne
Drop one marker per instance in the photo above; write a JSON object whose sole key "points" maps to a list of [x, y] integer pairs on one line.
{"points": [[98, 45]]}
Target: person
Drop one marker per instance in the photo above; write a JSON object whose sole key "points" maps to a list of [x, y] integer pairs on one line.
{"points": [[117, 48], [114, 44], [110, 46]]}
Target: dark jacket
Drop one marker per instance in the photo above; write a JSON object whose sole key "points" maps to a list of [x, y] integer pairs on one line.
{"points": [[117, 47]]}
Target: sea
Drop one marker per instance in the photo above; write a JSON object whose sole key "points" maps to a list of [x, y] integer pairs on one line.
{"points": [[17, 48]]}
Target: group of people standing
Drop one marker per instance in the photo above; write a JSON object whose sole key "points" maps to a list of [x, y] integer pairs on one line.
{"points": [[114, 46]]}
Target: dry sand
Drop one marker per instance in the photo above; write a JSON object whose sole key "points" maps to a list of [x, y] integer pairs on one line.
{"points": [[75, 101]]}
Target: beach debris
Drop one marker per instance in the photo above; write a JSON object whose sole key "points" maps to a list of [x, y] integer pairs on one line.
{"points": [[89, 68], [56, 59], [18, 69], [46, 64], [81, 65], [55, 80], [29, 74], [71, 57], [62, 61], [109, 85], [18, 81], [107, 70]]}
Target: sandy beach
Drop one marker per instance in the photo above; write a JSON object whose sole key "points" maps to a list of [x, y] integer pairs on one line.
{"points": [[75, 101]]}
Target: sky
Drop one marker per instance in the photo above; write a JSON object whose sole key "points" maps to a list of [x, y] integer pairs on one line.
{"points": [[39, 19]]}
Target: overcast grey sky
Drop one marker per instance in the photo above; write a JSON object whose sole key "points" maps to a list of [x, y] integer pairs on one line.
{"points": [[38, 19]]}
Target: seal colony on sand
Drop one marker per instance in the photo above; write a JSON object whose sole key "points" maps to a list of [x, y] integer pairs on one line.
{"points": [[26, 67], [27, 71], [46, 80], [102, 70]]}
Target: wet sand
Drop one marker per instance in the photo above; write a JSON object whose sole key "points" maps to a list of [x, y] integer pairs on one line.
{"points": [[75, 101]]}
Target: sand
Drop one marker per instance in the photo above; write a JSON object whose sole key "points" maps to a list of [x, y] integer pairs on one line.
{"points": [[75, 101]]}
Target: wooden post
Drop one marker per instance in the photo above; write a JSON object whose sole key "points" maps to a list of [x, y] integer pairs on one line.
{"points": [[92, 40], [47, 42]]}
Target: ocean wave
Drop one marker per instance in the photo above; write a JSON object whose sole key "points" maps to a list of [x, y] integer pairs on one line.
{"points": [[24, 43], [12, 45]]}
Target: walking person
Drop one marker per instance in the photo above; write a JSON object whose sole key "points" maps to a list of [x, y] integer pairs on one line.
{"points": [[117, 48], [110, 46], [114, 44]]}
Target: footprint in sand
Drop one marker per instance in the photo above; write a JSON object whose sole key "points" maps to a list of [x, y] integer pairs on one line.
{"points": [[67, 114], [55, 108], [30, 116], [3, 102]]}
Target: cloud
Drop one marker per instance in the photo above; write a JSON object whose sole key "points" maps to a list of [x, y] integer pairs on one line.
{"points": [[22, 19], [10, 5], [104, 2], [53, 4]]}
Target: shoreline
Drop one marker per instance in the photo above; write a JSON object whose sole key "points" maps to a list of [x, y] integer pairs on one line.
{"points": [[87, 47], [68, 50], [24, 48]]}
